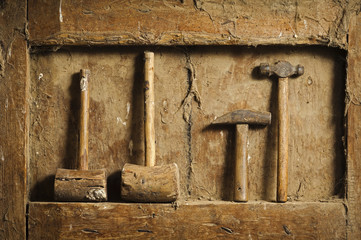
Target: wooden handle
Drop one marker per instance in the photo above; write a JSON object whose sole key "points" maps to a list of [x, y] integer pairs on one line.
{"points": [[241, 164], [84, 119], [283, 132], [149, 131]]}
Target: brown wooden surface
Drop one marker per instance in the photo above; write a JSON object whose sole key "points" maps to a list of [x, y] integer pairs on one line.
{"points": [[326, 23], [80, 185], [189, 22], [354, 130], [150, 184], [189, 220], [283, 135], [14, 116], [241, 192], [149, 105], [84, 81]]}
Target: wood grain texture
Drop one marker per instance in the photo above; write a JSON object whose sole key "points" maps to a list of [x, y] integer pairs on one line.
{"points": [[189, 22], [354, 130], [149, 106], [84, 80], [241, 192], [14, 116], [80, 185], [150, 184], [283, 135], [190, 220]]}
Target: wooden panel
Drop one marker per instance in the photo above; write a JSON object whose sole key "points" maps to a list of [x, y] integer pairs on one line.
{"points": [[13, 119], [188, 22], [354, 130], [116, 112], [201, 220], [225, 80]]}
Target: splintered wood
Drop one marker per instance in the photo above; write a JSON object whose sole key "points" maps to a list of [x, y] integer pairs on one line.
{"points": [[150, 184], [197, 220], [78, 185]]}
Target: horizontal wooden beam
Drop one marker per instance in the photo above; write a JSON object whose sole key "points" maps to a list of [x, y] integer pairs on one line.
{"points": [[188, 220], [187, 22]]}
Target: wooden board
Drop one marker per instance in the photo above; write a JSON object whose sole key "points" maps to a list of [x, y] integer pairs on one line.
{"points": [[354, 130], [14, 117], [225, 80], [201, 220], [168, 22], [188, 22]]}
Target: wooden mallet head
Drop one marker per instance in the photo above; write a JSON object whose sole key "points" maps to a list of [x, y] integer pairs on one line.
{"points": [[81, 184]]}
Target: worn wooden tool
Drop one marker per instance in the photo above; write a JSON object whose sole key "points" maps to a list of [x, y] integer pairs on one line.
{"points": [[149, 183], [282, 70], [242, 118], [81, 184]]}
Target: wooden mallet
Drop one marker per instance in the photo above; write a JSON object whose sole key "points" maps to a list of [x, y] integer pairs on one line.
{"points": [[81, 184], [149, 183], [242, 118], [282, 70]]}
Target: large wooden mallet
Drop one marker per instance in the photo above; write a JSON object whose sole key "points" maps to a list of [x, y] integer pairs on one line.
{"points": [[149, 183], [81, 184], [242, 118], [282, 70]]}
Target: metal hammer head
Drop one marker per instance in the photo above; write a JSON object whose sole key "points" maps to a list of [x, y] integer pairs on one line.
{"points": [[244, 117], [282, 69]]}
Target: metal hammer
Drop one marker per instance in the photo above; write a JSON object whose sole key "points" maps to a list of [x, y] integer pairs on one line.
{"points": [[282, 70], [242, 118]]}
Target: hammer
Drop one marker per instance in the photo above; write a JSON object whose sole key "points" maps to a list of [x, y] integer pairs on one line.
{"points": [[81, 184], [242, 118], [282, 70], [149, 183]]}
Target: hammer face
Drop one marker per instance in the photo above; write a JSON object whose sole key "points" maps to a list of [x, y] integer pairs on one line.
{"points": [[80, 185]]}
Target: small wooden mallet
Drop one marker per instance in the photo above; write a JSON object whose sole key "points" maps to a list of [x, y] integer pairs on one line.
{"points": [[81, 184], [149, 183]]}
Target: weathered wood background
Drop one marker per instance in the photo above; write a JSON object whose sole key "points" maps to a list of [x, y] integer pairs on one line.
{"points": [[195, 82], [225, 79]]}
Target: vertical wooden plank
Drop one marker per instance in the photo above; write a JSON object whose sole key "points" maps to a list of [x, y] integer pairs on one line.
{"points": [[13, 119], [354, 130]]}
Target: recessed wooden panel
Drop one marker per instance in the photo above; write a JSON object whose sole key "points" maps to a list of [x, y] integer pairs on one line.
{"points": [[192, 87], [189, 220]]}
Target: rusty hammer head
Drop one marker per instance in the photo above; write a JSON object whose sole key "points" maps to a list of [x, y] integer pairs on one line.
{"points": [[244, 117], [281, 69]]}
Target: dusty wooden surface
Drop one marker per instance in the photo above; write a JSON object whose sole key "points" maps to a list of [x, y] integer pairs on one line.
{"points": [[14, 116], [202, 220], [354, 130], [219, 80], [188, 104], [80, 185], [155, 184], [188, 22]]}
